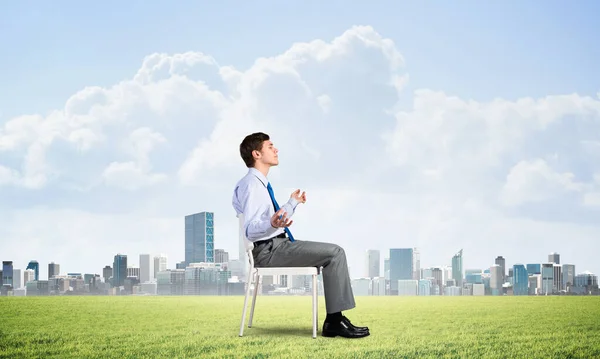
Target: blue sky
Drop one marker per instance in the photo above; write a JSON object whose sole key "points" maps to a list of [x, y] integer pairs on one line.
{"points": [[475, 50], [493, 138]]}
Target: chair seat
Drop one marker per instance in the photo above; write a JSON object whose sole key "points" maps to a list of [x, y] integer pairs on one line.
{"points": [[287, 270]]}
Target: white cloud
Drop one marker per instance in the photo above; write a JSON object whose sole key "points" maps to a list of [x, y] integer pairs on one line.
{"points": [[452, 173], [535, 181], [324, 101], [592, 199], [8, 176], [130, 175]]}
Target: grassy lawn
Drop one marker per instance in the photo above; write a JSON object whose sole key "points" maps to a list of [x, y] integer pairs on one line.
{"points": [[207, 327]]}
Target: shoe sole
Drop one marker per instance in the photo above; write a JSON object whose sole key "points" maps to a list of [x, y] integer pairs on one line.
{"points": [[333, 334]]}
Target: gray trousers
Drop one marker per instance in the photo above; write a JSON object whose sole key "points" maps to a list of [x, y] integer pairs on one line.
{"points": [[281, 252]]}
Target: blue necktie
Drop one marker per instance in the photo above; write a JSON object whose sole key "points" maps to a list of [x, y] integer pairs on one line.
{"points": [[270, 189]]}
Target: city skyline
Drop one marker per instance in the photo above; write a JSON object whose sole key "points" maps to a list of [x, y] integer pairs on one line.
{"points": [[162, 261], [405, 127], [402, 278]]}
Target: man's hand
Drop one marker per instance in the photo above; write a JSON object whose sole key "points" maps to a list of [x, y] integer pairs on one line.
{"points": [[299, 197], [280, 220]]}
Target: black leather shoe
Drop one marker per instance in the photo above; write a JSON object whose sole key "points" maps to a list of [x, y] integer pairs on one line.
{"points": [[339, 327], [348, 323]]}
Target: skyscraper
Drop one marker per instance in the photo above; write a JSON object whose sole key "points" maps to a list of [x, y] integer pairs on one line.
{"points": [[119, 270], [502, 263], [386, 268], [199, 238], [416, 264], [53, 269], [221, 256], [568, 274], [554, 258], [372, 263], [17, 278], [534, 268], [7, 273], [28, 276], [401, 267], [547, 278], [521, 280], [35, 266], [457, 268], [107, 272], [496, 279], [558, 281], [146, 271], [160, 264]]}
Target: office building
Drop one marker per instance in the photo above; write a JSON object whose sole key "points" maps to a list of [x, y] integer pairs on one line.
{"points": [[7, 273], [557, 284], [547, 278], [146, 268], [520, 280], [587, 281], [17, 279], [28, 276], [401, 267], [53, 270], [221, 256], [160, 264], [554, 258], [535, 284], [199, 238], [457, 269], [372, 263], [535, 268], [133, 271], [500, 261], [119, 270], [496, 279], [107, 272], [416, 264], [408, 287], [568, 276], [35, 267], [386, 268]]}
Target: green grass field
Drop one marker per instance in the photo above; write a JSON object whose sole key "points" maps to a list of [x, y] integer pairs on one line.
{"points": [[207, 327]]}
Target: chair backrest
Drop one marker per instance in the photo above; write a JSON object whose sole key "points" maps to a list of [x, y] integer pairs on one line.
{"points": [[244, 242]]}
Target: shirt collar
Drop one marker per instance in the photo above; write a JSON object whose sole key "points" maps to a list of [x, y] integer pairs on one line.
{"points": [[259, 175]]}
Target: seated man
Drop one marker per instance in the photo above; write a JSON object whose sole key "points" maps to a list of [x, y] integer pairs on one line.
{"points": [[266, 225]]}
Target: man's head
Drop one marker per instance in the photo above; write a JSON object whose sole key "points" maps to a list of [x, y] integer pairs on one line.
{"points": [[258, 151]]}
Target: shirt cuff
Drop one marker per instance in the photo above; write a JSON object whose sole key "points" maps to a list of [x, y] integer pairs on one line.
{"points": [[293, 202]]}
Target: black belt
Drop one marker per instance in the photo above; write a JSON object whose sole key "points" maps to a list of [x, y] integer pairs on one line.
{"points": [[258, 243]]}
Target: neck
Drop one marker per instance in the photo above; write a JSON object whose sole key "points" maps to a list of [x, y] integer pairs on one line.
{"points": [[262, 168]]}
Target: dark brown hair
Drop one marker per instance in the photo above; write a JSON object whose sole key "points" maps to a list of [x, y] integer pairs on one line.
{"points": [[251, 143]]}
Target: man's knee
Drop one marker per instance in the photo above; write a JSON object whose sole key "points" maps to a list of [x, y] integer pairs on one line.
{"points": [[336, 250]]}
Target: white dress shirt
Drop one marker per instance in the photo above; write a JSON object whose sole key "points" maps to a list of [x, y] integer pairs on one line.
{"points": [[251, 198]]}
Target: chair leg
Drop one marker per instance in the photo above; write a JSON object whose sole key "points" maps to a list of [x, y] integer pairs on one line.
{"points": [[256, 290], [315, 306], [248, 284]]}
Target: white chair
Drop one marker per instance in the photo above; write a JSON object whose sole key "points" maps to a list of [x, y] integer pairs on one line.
{"points": [[255, 274]]}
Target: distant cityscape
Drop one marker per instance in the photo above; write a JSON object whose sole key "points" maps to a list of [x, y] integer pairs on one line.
{"points": [[209, 271]]}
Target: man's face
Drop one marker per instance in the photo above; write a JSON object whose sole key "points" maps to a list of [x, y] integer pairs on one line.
{"points": [[268, 154]]}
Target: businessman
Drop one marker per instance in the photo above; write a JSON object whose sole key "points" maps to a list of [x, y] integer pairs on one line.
{"points": [[268, 226]]}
